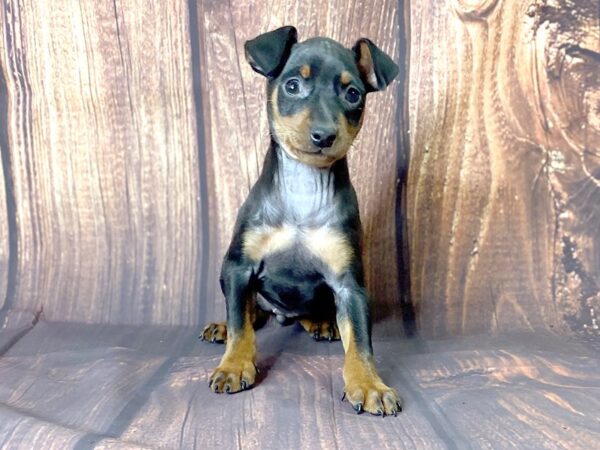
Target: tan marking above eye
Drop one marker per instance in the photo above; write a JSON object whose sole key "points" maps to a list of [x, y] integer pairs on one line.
{"points": [[305, 71], [345, 77]]}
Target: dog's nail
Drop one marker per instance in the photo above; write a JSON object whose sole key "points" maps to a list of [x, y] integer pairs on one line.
{"points": [[380, 412], [343, 396], [227, 388], [244, 385], [399, 406], [395, 413], [358, 408], [256, 368]]}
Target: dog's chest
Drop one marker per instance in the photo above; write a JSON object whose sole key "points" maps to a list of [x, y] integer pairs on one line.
{"points": [[294, 244]]}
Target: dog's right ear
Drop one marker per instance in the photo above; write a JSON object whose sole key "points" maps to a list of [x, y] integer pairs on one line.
{"points": [[268, 52]]}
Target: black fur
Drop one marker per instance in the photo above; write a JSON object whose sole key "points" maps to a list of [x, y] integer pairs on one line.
{"points": [[293, 282]]}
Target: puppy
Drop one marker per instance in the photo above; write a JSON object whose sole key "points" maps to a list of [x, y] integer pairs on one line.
{"points": [[296, 250]]}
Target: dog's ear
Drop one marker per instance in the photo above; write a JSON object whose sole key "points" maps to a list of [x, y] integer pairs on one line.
{"points": [[268, 52], [376, 68]]}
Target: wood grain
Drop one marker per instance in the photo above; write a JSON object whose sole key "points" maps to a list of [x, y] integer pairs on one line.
{"points": [[68, 385], [503, 189], [238, 132], [4, 164], [4, 237], [102, 136]]}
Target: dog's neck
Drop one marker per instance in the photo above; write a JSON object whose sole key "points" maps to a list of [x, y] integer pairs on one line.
{"points": [[306, 192]]}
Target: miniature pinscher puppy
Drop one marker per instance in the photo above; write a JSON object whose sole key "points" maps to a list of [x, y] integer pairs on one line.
{"points": [[296, 247]]}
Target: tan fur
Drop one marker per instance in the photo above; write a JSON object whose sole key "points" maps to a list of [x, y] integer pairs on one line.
{"points": [[365, 64], [260, 242], [345, 77], [293, 133], [362, 383], [326, 330], [238, 362], [215, 332], [305, 71], [331, 247]]}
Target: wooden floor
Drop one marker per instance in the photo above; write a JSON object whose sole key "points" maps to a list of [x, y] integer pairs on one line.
{"points": [[65, 385]]}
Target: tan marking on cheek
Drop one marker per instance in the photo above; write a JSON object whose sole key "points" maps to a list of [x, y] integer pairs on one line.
{"points": [[292, 133], [346, 135], [331, 247], [350, 131], [305, 71], [261, 242], [345, 77]]}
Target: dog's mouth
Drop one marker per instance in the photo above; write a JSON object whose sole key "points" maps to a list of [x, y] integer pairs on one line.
{"points": [[312, 154]]}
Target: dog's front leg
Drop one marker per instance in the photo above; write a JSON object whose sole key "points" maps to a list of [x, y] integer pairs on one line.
{"points": [[364, 389], [237, 369]]}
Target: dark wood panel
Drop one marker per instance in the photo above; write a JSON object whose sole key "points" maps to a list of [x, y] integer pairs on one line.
{"points": [[4, 252], [238, 133], [102, 136], [504, 182]]}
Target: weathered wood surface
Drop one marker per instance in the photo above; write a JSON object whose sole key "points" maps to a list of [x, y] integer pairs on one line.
{"points": [[4, 233], [122, 216], [237, 130], [4, 251], [102, 137], [504, 182], [78, 385]]}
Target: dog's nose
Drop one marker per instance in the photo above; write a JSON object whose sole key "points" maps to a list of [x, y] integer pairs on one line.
{"points": [[322, 138]]}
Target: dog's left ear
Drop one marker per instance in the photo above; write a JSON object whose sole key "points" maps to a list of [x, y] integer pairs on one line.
{"points": [[268, 52], [376, 68]]}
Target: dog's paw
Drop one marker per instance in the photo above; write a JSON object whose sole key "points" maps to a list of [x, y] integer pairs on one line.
{"points": [[215, 332], [233, 376], [321, 331], [374, 397]]}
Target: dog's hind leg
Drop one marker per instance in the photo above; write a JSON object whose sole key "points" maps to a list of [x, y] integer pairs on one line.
{"points": [[216, 332]]}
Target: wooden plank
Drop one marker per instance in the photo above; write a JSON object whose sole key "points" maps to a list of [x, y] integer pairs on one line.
{"points": [[504, 181], [4, 253], [4, 229], [102, 136], [237, 122], [148, 386]]}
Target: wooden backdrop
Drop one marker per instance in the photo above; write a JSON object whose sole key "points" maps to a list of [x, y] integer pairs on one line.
{"points": [[131, 132], [504, 184], [134, 132]]}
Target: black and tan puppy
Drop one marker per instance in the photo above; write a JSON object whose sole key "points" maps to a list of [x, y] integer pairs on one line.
{"points": [[295, 250]]}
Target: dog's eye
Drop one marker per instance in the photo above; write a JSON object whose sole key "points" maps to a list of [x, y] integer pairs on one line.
{"points": [[352, 95], [292, 86]]}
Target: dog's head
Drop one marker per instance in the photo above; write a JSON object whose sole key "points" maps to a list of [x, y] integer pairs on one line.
{"points": [[317, 90]]}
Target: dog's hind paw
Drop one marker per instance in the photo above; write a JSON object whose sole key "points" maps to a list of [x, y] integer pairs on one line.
{"points": [[321, 331], [215, 332]]}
